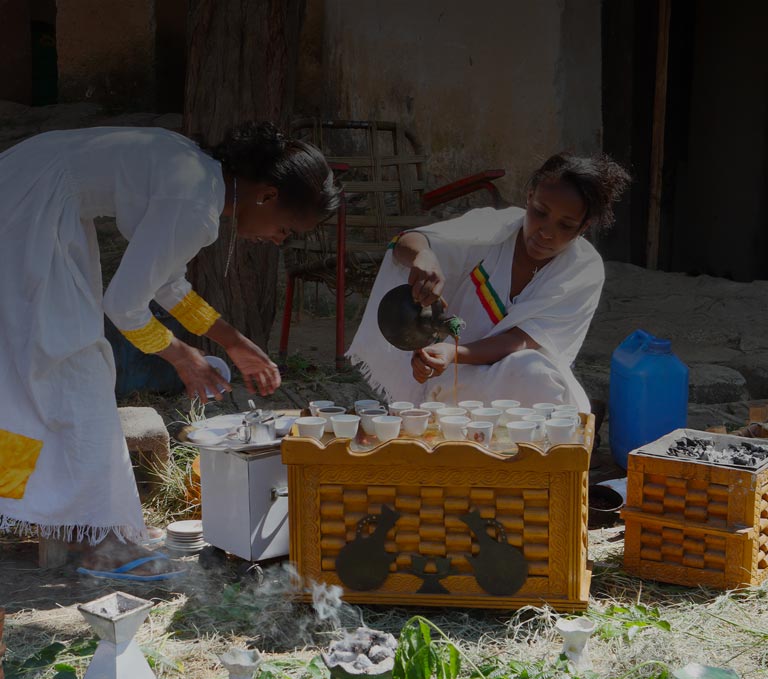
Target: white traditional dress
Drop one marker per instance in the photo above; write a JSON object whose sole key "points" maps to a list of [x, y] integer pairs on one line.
{"points": [[64, 466], [476, 252]]}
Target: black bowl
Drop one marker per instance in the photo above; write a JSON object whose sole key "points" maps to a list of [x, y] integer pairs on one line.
{"points": [[604, 505]]}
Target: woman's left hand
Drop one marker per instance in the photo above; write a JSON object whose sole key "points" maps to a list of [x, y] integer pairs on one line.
{"points": [[259, 372], [432, 361]]}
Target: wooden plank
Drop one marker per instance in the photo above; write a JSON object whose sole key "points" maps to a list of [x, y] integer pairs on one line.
{"points": [[657, 135], [52, 553]]}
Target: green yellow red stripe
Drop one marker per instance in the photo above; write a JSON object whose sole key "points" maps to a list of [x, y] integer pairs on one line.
{"points": [[393, 242], [487, 295]]}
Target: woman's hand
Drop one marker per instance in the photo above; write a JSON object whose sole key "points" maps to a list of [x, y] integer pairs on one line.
{"points": [[196, 373], [259, 372], [426, 278], [432, 361]]}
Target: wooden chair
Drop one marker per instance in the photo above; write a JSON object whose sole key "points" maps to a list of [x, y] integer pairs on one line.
{"points": [[382, 168]]}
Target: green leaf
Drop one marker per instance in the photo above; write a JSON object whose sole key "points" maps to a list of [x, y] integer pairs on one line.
{"points": [[696, 671], [64, 671]]}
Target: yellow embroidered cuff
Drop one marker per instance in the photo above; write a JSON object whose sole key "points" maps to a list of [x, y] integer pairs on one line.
{"points": [[18, 457], [195, 314], [153, 337]]}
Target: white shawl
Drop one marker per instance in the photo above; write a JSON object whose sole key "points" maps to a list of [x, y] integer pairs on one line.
{"points": [[554, 309]]}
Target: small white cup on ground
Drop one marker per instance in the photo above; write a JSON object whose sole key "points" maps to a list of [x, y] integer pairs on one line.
{"points": [[387, 427], [397, 407], [345, 426], [415, 421], [313, 427], [560, 430], [491, 415], [454, 427], [366, 418], [480, 432], [504, 404], [366, 404], [517, 414], [315, 405], [432, 407], [520, 432], [540, 430], [545, 409], [470, 405], [450, 412], [328, 412]]}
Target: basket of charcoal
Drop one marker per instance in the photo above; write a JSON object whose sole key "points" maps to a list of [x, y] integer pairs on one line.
{"points": [[364, 654], [697, 510]]}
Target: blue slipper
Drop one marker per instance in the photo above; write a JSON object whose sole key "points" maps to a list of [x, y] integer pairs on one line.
{"points": [[124, 572]]}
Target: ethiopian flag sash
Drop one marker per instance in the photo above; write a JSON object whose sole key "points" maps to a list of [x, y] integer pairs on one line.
{"points": [[487, 295]]}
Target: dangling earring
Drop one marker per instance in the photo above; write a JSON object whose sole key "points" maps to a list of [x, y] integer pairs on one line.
{"points": [[233, 236]]}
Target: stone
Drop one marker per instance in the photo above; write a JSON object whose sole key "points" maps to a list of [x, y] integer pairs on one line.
{"points": [[148, 443], [716, 384], [754, 368]]}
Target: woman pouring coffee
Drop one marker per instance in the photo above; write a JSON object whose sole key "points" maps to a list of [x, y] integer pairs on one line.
{"points": [[524, 281], [64, 467]]}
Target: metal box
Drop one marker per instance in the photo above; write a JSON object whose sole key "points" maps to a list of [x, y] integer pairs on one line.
{"points": [[245, 504]]}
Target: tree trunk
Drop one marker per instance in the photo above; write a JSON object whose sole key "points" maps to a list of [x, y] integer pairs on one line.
{"points": [[242, 63]]}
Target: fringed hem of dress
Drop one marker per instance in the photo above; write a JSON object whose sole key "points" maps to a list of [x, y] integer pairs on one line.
{"points": [[70, 533]]}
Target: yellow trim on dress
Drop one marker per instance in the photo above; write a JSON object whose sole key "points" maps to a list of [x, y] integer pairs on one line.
{"points": [[195, 314], [153, 337], [18, 457]]}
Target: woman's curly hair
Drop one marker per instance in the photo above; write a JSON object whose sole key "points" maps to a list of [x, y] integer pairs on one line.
{"points": [[599, 180]]}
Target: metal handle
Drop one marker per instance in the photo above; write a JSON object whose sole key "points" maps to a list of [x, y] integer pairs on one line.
{"points": [[281, 491]]}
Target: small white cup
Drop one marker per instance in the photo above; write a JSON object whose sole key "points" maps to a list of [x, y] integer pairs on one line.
{"points": [[315, 405], [398, 406], [415, 421], [312, 427], [387, 427], [491, 415], [480, 432], [545, 409], [432, 407], [520, 431], [539, 420], [470, 405], [560, 430], [450, 412], [504, 404], [345, 426], [328, 412], [567, 408], [454, 427], [366, 404], [517, 414], [366, 418]]}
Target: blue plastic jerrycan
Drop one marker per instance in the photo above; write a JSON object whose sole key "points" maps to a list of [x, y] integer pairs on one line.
{"points": [[648, 393]]}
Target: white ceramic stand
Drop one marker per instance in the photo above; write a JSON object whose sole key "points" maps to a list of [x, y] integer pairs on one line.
{"points": [[240, 664], [576, 633], [116, 618]]}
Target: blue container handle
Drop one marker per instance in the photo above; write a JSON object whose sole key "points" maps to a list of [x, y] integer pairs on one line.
{"points": [[639, 339]]}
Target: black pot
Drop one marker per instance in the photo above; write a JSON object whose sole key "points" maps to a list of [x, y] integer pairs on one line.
{"points": [[604, 505]]}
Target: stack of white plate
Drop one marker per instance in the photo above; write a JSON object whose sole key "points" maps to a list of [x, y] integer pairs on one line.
{"points": [[185, 537]]}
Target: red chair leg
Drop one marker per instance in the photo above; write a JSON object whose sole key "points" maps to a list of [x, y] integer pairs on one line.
{"points": [[285, 329], [341, 260]]}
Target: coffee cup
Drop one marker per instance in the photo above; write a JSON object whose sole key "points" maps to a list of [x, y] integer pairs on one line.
{"points": [[366, 418], [450, 412], [560, 430], [539, 420], [415, 421], [315, 405], [432, 407], [454, 427], [397, 407], [504, 404], [470, 405], [366, 404], [545, 409], [517, 414], [491, 415], [520, 431], [387, 427], [480, 432], [328, 412], [345, 426], [313, 427]]}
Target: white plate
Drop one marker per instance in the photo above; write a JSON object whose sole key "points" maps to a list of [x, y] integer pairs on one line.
{"points": [[228, 423], [191, 526], [208, 437]]}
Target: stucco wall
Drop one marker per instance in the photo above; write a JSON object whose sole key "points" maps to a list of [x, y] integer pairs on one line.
{"points": [[500, 83], [106, 51]]}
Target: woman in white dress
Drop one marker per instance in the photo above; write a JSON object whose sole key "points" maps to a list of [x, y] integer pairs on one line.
{"points": [[64, 467], [524, 281]]}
